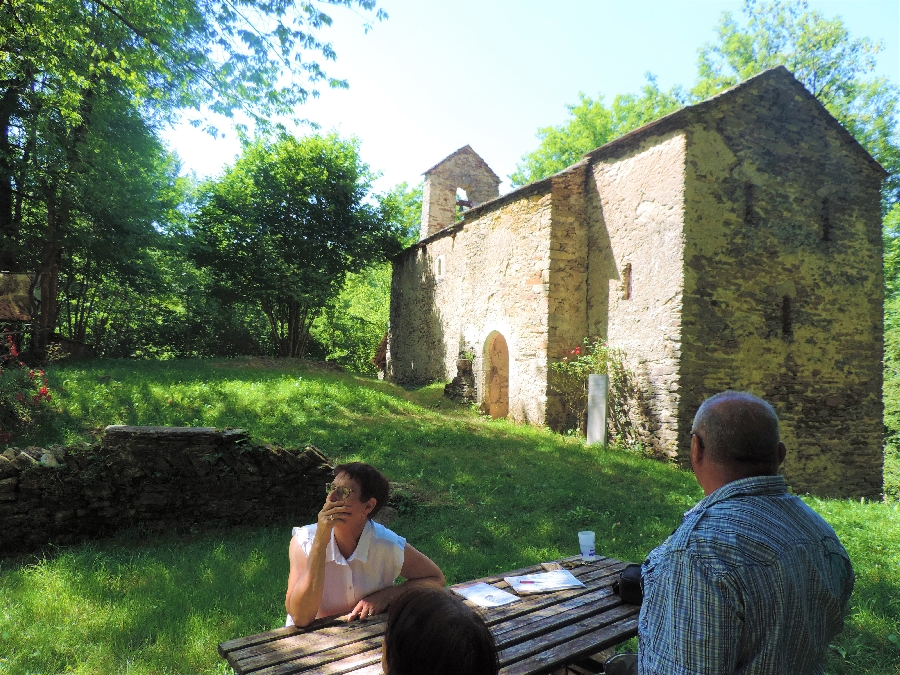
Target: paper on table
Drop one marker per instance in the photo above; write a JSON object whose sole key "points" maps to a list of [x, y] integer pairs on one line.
{"points": [[541, 582], [485, 595]]}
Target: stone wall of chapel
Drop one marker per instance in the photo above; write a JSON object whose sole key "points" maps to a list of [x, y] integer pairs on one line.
{"points": [[781, 206], [566, 275], [635, 209], [493, 279]]}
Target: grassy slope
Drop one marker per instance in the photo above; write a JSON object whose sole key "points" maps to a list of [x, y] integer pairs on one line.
{"points": [[489, 496]]}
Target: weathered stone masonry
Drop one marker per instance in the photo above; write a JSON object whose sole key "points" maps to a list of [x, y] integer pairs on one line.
{"points": [[732, 244], [160, 479]]}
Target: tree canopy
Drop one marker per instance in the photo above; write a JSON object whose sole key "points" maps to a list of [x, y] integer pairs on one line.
{"points": [[85, 86], [285, 225], [592, 123], [836, 67]]}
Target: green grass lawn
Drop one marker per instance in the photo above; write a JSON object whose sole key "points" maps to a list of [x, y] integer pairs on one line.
{"points": [[486, 496]]}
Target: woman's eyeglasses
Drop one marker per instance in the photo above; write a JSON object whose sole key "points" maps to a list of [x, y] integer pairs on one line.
{"points": [[342, 491]]}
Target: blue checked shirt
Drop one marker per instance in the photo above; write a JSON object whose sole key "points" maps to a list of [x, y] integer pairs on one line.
{"points": [[753, 582]]}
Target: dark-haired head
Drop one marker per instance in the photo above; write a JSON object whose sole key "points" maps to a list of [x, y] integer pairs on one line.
{"points": [[371, 481], [739, 430], [430, 631]]}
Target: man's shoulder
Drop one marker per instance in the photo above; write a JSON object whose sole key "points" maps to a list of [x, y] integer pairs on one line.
{"points": [[755, 529]]}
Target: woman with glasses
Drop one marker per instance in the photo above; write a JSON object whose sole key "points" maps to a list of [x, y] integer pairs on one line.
{"points": [[346, 563]]}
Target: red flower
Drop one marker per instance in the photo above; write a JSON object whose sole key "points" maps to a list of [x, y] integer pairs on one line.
{"points": [[30, 374], [43, 391], [41, 373], [577, 351]]}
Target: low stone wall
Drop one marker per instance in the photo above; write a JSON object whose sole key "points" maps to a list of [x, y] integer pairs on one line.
{"points": [[154, 478]]}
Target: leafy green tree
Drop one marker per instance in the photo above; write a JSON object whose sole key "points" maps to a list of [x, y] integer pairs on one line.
{"points": [[836, 67], [405, 203], [351, 325], [591, 124], [833, 65], [74, 71], [286, 224]]}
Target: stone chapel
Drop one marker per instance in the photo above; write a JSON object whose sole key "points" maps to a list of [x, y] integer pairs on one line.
{"points": [[733, 244]]}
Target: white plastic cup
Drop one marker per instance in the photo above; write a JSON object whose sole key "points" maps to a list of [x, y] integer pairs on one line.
{"points": [[586, 542]]}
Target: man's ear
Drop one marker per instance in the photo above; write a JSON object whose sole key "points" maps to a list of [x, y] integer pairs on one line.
{"points": [[371, 504], [697, 450], [782, 452]]}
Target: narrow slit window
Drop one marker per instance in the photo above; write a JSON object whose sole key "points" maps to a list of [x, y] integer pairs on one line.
{"points": [[749, 213], [826, 220], [626, 282], [787, 326], [439, 267]]}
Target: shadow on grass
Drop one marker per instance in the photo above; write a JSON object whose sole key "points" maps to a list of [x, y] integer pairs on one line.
{"points": [[164, 604]]}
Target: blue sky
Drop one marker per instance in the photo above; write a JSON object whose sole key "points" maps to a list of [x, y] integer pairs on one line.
{"points": [[439, 75]]}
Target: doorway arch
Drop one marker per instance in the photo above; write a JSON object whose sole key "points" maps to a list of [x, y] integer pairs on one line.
{"points": [[496, 376]]}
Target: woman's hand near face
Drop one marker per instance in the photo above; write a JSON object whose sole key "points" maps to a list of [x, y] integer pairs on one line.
{"points": [[332, 513]]}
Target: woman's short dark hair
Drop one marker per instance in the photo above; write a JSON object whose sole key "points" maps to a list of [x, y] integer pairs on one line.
{"points": [[430, 631], [372, 483]]}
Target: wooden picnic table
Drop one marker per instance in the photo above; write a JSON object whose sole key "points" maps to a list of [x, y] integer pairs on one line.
{"points": [[536, 634]]}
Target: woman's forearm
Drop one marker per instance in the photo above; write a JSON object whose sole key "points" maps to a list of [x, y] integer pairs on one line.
{"points": [[306, 595], [383, 598]]}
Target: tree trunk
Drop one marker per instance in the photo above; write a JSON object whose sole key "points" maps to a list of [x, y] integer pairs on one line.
{"points": [[44, 319], [9, 105]]}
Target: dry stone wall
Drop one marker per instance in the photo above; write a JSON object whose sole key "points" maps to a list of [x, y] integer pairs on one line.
{"points": [[161, 479], [783, 282]]}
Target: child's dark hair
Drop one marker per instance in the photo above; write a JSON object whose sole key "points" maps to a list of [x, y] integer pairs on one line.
{"points": [[372, 483], [430, 631]]}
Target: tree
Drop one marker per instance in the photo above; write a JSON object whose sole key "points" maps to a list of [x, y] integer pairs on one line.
{"points": [[591, 125], [820, 52], [834, 66], [66, 65], [285, 225]]}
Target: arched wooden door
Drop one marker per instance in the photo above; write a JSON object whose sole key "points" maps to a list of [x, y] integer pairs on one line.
{"points": [[496, 399]]}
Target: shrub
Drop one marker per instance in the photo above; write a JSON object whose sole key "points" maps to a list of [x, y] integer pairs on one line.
{"points": [[569, 378], [23, 391]]}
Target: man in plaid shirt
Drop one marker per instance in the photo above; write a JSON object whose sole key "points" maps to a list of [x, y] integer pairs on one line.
{"points": [[753, 581]]}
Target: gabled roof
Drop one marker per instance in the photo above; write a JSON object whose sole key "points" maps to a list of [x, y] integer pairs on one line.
{"points": [[693, 113], [465, 150]]}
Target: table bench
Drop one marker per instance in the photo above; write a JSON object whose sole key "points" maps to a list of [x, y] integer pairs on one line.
{"points": [[537, 634]]}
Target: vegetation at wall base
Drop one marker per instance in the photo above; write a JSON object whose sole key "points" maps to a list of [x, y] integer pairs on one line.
{"points": [[479, 496]]}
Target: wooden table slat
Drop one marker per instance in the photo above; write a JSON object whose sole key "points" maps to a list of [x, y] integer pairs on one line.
{"points": [[348, 664], [259, 638], [309, 643], [555, 616], [564, 635], [303, 660], [588, 643], [530, 603]]}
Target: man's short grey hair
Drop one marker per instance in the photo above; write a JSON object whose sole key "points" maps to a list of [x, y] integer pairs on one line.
{"points": [[737, 427]]}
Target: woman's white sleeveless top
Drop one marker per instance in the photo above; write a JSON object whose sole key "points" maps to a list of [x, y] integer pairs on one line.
{"points": [[375, 564]]}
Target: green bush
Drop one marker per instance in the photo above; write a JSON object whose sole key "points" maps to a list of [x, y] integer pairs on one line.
{"points": [[24, 393], [569, 378]]}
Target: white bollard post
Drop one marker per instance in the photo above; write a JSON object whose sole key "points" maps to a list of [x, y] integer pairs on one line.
{"points": [[596, 409]]}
